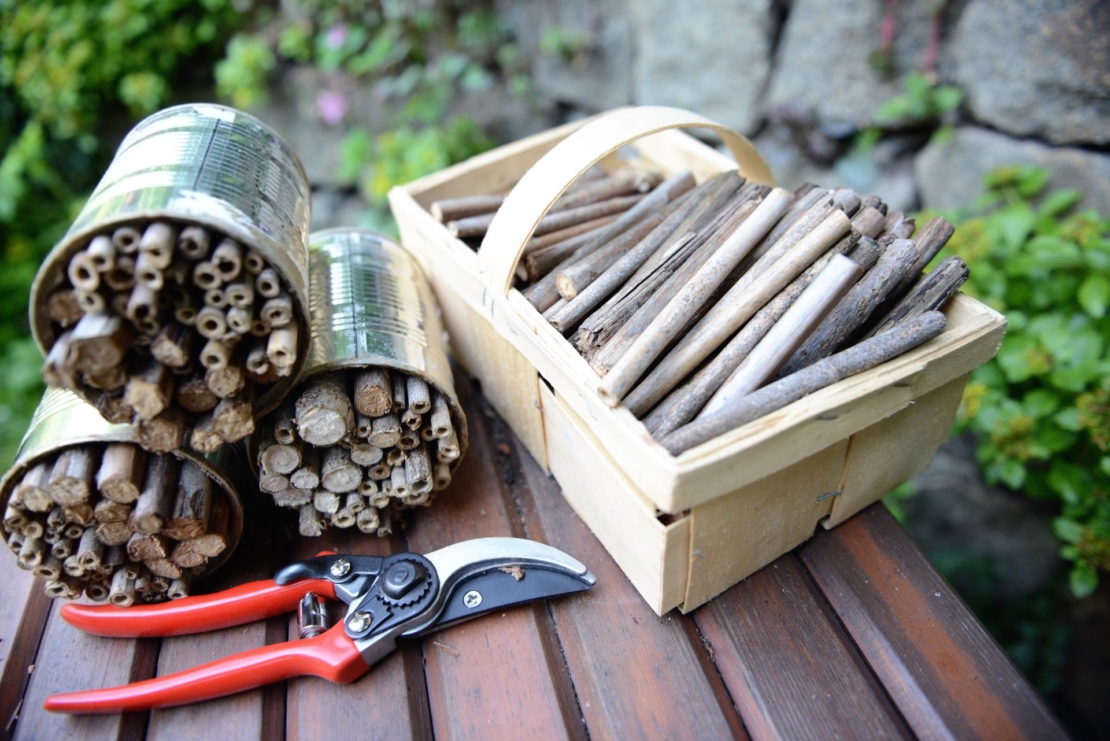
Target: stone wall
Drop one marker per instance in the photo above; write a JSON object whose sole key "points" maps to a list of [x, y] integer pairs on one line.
{"points": [[1035, 73]]}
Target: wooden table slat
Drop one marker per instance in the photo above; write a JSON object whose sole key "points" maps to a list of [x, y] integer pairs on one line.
{"points": [[941, 667], [390, 701], [492, 677], [69, 660], [790, 668], [23, 611], [636, 675]]}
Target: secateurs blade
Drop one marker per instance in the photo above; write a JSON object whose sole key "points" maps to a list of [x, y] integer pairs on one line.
{"points": [[404, 595]]}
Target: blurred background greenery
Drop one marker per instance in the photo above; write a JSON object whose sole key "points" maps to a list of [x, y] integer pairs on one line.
{"points": [[398, 101]]}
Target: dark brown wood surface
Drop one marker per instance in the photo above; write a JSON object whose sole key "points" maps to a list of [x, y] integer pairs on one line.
{"points": [[855, 635], [938, 663]]}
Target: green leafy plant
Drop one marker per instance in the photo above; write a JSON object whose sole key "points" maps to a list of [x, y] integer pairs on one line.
{"points": [[924, 102], [411, 59], [1041, 407], [72, 75]]}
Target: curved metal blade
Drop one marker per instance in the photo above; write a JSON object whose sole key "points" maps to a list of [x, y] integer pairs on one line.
{"points": [[485, 574]]}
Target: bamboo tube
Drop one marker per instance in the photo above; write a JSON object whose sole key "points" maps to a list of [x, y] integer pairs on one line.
{"points": [[864, 356], [90, 302], [155, 504], [267, 284], [49, 570], [71, 479], [343, 519], [385, 431], [409, 439], [34, 488], [192, 503], [442, 478], [854, 309], [147, 273], [253, 263], [228, 260], [447, 448], [788, 333], [173, 345], [655, 338], [368, 487], [121, 276], [418, 474], [440, 420], [216, 298], [194, 242], [395, 457], [215, 356], [179, 587], [101, 253], [31, 553], [380, 472], [281, 350], [323, 411], [63, 549], [122, 591], [363, 454], [400, 487], [544, 292], [307, 476], [66, 587], [337, 472], [285, 423], [195, 397], [278, 311], [367, 521], [418, 395], [113, 533], [399, 389], [62, 308], [157, 244], [126, 239], [929, 294], [373, 392], [149, 390], [476, 226], [82, 272], [211, 323], [735, 308], [683, 404], [14, 519], [205, 276], [98, 342], [363, 424]]}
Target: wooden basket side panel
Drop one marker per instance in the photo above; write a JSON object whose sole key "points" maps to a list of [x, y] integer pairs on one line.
{"points": [[893, 451], [654, 556], [733, 536]]}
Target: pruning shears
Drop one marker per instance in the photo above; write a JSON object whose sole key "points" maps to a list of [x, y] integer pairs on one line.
{"points": [[404, 595]]}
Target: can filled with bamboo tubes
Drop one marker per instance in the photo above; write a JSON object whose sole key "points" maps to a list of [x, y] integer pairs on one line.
{"points": [[177, 300], [91, 513], [373, 426]]}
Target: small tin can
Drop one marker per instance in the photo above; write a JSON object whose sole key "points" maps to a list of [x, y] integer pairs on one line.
{"points": [[211, 166], [63, 420], [370, 305]]}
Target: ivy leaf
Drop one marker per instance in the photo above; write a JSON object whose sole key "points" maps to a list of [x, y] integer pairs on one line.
{"points": [[1040, 402], [1059, 201], [1067, 530], [1104, 464], [1067, 480], [1083, 580], [1069, 419], [1094, 295], [1011, 472]]}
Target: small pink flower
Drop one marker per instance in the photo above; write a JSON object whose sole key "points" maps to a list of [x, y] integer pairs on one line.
{"points": [[336, 36], [331, 106]]}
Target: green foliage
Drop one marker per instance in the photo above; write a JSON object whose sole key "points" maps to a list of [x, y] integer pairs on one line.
{"points": [[1041, 407], [570, 47], [411, 58], [66, 68], [923, 102]]}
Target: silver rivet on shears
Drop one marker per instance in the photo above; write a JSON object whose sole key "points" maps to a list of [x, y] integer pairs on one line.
{"points": [[359, 621], [341, 567], [472, 599]]}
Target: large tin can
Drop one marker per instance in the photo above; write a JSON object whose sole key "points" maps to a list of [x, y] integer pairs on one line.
{"points": [[208, 165], [63, 420]]}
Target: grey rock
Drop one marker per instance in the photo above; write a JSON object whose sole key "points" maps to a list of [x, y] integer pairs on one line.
{"points": [[950, 174], [601, 77], [1037, 68], [955, 511], [886, 172], [683, 59], [823, 61]]}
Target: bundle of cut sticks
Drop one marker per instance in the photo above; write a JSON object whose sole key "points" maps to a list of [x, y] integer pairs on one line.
{"points": [[357, 446], [696, 296], [172, 326], [115, 523]]}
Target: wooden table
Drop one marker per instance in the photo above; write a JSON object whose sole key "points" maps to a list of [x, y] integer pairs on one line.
{"points": [[854, 635]]}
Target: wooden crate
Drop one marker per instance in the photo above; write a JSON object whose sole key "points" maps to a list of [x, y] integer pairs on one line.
{"points": [[683, 528]]}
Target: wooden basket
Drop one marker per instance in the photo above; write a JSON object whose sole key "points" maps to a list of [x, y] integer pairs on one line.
{"points": [[683, 528]]}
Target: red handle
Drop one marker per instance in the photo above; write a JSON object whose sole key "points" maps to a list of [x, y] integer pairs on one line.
{"points": [[243, 604], [331, 655]]}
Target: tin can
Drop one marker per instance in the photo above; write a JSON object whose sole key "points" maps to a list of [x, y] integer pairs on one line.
{"points": [[63, 420], [208, 165]]}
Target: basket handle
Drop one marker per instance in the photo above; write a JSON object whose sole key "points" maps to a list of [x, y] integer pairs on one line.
{"points": [[542, 185]]}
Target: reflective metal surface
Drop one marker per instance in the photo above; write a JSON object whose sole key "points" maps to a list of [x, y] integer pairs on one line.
{"points": [[370, 304], [205, 164], [63, 419]]}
